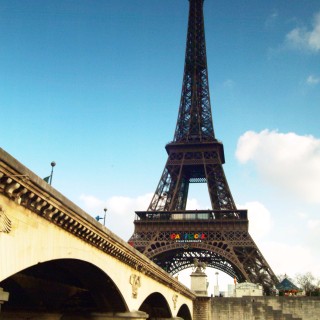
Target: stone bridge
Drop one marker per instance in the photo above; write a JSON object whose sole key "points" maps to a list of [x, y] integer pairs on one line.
{"points": [[57, 262]]}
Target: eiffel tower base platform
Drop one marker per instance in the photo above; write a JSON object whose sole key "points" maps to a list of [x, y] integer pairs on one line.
{"points": [[218, 238]]}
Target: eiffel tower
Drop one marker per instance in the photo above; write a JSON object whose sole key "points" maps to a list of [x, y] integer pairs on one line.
{"points": [[167, 233]]}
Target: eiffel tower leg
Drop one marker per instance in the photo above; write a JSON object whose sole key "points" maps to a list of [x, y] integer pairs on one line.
{"points": [[172, 190], [165, 195]]}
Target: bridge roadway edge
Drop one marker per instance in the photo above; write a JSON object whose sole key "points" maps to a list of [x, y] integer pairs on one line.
{"points": [[34, 208]]}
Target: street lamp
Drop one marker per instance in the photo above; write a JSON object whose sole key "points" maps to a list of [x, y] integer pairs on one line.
{"points": [[52, 165], [104, 217], [49, 178]]}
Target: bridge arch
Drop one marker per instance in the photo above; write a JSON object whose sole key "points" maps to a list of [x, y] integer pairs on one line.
{"points": [[63, 285], [184, 312], [156, 306]]}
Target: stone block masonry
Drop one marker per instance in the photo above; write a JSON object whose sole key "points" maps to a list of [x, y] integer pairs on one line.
{"points": [[202, 308], [258, 308]]}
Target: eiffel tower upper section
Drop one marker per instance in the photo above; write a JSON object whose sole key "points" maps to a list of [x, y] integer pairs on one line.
{"points": [[195, 155], [195, 119]]}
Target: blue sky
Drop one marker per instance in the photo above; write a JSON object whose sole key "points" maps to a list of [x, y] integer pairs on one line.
{"points": [[95, 86]]}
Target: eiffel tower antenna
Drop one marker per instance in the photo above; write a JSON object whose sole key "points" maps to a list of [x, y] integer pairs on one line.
{"points": [[169, 234]]}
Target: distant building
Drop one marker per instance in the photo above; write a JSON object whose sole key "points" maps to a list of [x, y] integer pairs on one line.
{"points": [[245, 289]]}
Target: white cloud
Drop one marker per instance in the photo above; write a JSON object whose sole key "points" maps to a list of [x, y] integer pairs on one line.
{"points": [[314, 225], [193, 204], [121, 205], [259, 219], [302, 38], [302, 215], [121, 211], [308, 228], [313, 80], [92, 203], [290, 259], [290, 163], [117, 204], [286, 160]]}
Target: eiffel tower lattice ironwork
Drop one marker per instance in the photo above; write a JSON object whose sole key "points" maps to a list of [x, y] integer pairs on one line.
{"points": [[169, 234]]}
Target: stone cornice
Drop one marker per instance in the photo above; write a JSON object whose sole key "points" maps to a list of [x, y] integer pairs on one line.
{"points": [[25, 188]]}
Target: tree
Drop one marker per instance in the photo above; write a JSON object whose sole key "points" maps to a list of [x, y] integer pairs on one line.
{"points": [[306, 282]]}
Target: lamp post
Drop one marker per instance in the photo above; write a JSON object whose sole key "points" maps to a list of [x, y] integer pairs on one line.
{"points": [[49, 178], [52, 165], [104, 217]]}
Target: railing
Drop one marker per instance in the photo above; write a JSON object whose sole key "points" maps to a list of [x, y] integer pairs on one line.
{"points": [[192, 215]]}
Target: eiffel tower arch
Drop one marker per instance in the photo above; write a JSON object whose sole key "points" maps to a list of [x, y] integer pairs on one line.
{"points": [[169, 234]]}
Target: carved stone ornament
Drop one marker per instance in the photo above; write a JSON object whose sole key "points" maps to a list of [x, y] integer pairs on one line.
{"points": [[175, 299], [5, 222], [135, 282], [199, 266]]}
